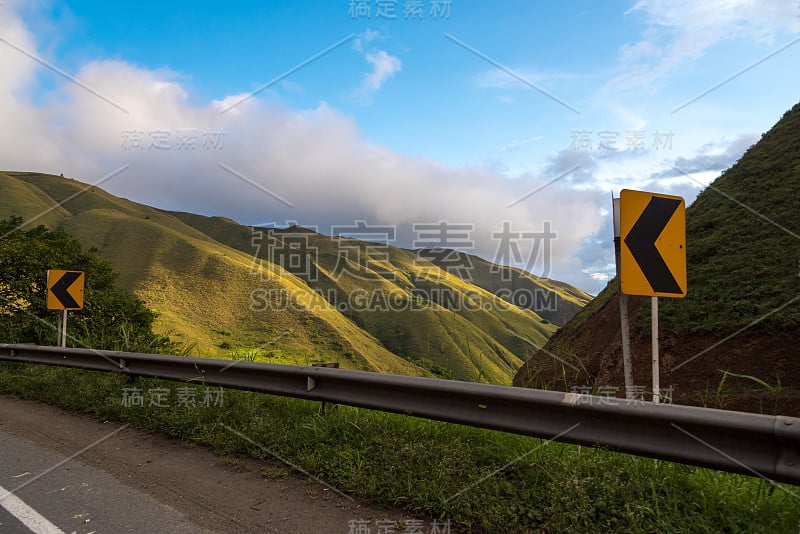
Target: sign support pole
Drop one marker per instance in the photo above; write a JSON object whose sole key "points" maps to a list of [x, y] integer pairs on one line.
{"points": [[625, 332], [626, 345], [623, 307], [58, 329], [64, 329], [654, 335]]}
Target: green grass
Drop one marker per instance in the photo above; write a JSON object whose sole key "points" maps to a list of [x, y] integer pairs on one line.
{"points": [[732, 387], [267, 354], [437, 469], [742, 257]]}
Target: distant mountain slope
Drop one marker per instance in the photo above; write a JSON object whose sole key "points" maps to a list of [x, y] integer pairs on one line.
{"points": [[414, 308], [742, 311], [214, 286], [554, 301]]}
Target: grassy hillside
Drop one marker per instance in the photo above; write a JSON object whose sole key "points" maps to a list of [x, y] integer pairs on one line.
{"points": [[743, 241], [236, 291], [413, 307], [737, 329]]}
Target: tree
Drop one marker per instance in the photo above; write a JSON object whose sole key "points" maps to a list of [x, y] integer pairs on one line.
{"points": [[111, 319]]}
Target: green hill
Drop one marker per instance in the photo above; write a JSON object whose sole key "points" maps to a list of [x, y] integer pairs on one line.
{"points": [[289, 295], [415, 309], [743, 241], [742, 311]]}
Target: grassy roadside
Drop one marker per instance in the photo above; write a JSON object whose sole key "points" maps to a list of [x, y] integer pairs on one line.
{"points": [[433, 468]]}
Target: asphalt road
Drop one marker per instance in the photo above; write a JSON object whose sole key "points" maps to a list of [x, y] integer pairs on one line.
{"points": [[51, 494]]}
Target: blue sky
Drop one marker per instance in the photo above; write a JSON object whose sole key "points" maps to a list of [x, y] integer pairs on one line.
{"points": [[453, 117]]}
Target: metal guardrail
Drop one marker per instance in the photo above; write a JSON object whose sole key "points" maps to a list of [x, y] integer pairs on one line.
{"points": [[750, 444]]}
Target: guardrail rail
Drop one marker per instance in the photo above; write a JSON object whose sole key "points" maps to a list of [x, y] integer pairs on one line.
{"points": [[751, 444]]}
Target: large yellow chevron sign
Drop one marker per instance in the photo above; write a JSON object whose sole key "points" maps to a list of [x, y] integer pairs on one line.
{"points": [[652, 244]]}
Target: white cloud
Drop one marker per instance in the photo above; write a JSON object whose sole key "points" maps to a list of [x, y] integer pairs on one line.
{"points": [[384, 66], [366, 36], [681, 31], [712, 157]]}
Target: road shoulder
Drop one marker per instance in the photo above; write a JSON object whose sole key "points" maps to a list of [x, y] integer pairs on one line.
{"points": [[218, 495]]}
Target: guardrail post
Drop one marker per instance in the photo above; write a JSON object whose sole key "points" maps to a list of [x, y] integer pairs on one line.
{"points": [[312, 384]]}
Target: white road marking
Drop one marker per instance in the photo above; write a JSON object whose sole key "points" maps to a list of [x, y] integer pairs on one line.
{"points": [[27, 515]]}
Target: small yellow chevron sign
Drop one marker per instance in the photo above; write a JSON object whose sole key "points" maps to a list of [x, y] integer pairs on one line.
{"points": [[65, 290]]}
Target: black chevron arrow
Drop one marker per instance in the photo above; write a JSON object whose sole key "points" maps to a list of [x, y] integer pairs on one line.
{"points": [[641, 241], [59, 289]]}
